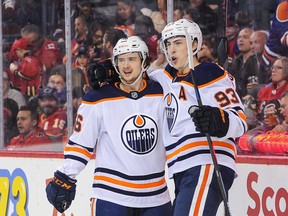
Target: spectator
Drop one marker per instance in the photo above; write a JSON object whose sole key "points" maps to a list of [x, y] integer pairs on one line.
{"points": [[30, 71], [30, 133], [45, 50], [110, 39], [269, 142], [126, 14], [53, 119], [81, 36], [258, 40], [95, 37], [84, 8], [144, 28], [57, 81], [277, 43], [78, 79], [82, 62], [269, 95], [158, 17], [245, 64], [232, 31], [30, 12], [10, 108], [11, 93], [207, 18], [243, 19]]}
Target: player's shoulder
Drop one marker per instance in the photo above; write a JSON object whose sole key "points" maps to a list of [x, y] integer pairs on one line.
{"points": [[207, 72], [154, 87], [105, 92]]}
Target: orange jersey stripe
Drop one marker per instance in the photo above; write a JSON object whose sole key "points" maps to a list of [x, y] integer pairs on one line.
{"points": [[200, 143], [79, 150], [130, 185]]}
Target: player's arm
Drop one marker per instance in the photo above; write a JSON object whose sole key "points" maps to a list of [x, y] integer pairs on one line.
{"points": [[77, 153], [224, 120]]}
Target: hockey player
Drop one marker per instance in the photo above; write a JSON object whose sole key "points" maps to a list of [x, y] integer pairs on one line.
{"points": [[187, 152], [130, 156]]}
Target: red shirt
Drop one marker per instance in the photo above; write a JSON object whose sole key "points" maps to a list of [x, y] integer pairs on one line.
{"points": [[37, 136], [49, 54], [30, 74], [54, 125]]}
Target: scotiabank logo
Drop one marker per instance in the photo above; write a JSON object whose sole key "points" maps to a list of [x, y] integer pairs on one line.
{"points": [[272, 202]]}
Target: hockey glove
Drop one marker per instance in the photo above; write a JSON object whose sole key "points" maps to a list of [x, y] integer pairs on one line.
{"points": [[101, 73], [210, 120], [61, 191]]}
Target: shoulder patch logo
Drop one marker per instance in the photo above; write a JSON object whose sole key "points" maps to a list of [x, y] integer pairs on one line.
{"points": [[171, 110], [139, 134]]}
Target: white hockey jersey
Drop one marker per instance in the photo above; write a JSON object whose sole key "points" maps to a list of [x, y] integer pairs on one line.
{"points": [[130, 154], [185, 147]]}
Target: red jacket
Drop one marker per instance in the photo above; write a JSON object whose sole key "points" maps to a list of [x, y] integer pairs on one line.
{"points": [[37, 136]]}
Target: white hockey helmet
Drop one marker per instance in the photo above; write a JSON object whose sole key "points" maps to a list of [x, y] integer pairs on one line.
{"points": [[130, 45], [179, 28]]}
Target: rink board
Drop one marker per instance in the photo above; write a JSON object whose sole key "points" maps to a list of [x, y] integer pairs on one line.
{"points": [[260, 188]]}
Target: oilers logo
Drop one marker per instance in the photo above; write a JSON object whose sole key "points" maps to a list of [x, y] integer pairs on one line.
{"points": [[139, 134], [171, 110]]}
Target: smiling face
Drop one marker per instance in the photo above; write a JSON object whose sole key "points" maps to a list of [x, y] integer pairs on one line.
{"points": [[129, 66]]}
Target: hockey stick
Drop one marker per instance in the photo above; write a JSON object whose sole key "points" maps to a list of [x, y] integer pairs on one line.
{"points": [[212, 150]]}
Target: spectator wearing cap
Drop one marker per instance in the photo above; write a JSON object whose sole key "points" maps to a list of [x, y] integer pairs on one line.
{"points": [[30, 133], [31, 68], [82, 62], [53, 118]]}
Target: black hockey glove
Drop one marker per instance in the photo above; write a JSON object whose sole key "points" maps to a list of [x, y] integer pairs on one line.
{"points": [[101, 73], [61, 191], [210, 120]]}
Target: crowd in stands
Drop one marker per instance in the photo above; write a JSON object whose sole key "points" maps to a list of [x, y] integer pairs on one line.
{"points": [[34, 72]]}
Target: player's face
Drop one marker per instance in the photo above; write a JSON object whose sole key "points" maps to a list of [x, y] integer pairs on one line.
{"points": [[129, 66], [284, 108], [24, 122], [177, 51], [48, 105]]}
